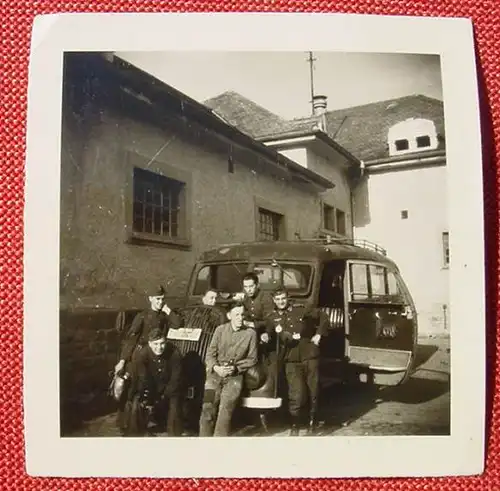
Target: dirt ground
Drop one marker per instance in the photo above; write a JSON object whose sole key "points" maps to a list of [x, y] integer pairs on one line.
{"points": [[419, 407]]}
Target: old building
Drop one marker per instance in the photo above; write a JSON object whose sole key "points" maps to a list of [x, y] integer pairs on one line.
{"points": [[306, 142], [400, 200], [150, 179]]}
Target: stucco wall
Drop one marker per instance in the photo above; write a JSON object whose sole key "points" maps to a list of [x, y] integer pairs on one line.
{"points": [[414, 243], [98, 267], [340, 196]]}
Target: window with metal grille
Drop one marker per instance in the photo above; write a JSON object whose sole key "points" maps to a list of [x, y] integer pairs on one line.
{"points": [[157, 204], [270, 225]]}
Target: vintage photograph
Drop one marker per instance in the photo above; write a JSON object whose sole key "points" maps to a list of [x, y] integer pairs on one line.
{"points": [[242, 243], [252, 244]]}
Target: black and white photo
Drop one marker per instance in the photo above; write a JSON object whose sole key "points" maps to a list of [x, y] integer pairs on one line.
{"points": [[260, 244]]}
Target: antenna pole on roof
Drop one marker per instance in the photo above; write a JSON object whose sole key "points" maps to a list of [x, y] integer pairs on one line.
{"points": [[311, 61]]}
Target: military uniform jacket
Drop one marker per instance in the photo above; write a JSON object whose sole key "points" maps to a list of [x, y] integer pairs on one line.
{"points": [[143, 323], [156, 377], [257, 309], [305, 321]]}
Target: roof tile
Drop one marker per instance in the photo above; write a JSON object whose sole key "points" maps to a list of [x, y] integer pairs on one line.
{"points": [[362, 130]]}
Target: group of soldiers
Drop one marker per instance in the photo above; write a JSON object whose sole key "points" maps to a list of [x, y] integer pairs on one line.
{"points": [[255, 323]]}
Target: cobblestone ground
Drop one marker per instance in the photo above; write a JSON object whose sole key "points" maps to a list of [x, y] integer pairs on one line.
{"points": [[420, 407]]}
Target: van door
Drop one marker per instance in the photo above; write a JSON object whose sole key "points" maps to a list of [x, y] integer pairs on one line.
{"points": [[381, 318]]}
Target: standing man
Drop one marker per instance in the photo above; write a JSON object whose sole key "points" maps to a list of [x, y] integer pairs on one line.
{"points": [[299, 330], [232, 351], [258, 304], [158, 315], [154, 394]]}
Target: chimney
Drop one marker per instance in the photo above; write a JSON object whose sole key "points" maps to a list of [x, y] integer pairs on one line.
{"points": [[319, 105], [319, 110]]}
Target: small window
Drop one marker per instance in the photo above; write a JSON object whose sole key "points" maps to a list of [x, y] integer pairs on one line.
{"points": [[270, 225], [423, 141], [404, 214], [158, 204], [328, 217], [340, 217], [402, 145], [446, 249]]}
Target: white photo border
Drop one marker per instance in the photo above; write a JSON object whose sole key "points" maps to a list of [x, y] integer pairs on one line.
{"points": [[48, 454]]}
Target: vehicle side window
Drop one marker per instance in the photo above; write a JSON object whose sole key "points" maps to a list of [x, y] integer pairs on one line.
{"points": [[359, 281], [374, 282], [377, 277], [392, 284]]}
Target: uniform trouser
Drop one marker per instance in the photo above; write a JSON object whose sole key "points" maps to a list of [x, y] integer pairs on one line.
{"points": [[165, 413], [219, 401], [302, 380]]}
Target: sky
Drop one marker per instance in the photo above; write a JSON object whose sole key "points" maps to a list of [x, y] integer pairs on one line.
{"points": [[280, 81]]}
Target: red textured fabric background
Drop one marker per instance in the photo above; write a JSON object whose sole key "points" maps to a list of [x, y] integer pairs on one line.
{"points": [[16, 19]]}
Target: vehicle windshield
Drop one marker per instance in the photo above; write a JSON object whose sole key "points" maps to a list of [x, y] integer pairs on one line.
{"points": [[227, 278]]}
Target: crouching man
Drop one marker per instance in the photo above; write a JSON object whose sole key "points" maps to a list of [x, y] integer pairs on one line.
{"points": [[232, 351], [154, 393]]}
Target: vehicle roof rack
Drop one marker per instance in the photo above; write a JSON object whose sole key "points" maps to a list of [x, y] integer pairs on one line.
{"points": [[365, 244], [329, 239]]}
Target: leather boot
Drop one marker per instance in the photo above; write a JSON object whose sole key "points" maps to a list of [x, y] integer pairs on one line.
{"points": [[294, 427], [312, 423]]}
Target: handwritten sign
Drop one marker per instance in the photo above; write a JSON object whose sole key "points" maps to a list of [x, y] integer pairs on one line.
{"points": [[184, 334]]}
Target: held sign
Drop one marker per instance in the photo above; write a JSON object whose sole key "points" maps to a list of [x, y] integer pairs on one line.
{"points": [[184, 334]]}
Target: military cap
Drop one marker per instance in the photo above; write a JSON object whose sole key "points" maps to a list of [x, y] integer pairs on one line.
{"points": [[156, 334], [157, 291]]}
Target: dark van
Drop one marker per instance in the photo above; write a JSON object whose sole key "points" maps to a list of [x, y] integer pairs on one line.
{"points": [[372, 332]]}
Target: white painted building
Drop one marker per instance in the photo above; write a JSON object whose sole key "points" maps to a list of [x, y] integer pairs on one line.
{"points": [[399, 198]]}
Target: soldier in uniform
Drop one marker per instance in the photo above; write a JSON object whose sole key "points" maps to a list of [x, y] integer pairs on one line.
{"points": [[299, 330], [158, 315], [154, 393], [258, 303]]}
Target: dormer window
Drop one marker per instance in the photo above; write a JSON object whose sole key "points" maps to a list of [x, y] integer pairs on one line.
{"points": [[412, 135], [423, 141], [402, 145]]}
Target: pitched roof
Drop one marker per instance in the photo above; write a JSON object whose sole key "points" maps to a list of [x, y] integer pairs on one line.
{"points": [[117, 83], [245, 114], [362, 130]]}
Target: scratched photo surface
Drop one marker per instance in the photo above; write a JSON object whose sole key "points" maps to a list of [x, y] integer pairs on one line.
{"points": [[253, 244]]}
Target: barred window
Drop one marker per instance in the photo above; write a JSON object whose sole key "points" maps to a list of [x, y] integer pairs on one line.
{"points": [[270, 225], [157, 204]]}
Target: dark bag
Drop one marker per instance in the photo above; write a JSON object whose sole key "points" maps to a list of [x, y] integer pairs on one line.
{"points": [[119, 386]]}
